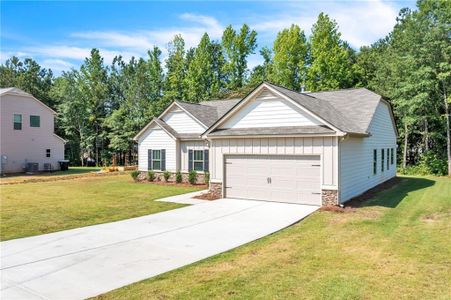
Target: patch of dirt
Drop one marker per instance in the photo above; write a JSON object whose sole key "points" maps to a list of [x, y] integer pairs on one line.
{"points": [[207, 196], [337, 209], [44, 178], [359, 200], [431, 218]]}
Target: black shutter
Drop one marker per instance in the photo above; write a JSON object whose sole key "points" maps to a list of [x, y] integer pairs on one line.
{"points": [[163, 159], [149, 159], [206, 164], [190, 160]]}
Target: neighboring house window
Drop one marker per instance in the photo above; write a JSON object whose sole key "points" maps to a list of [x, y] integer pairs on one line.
{"points": [[374, 162], [382, 160], [47, 152], [35, 121], [156, 159], [198, 160], [17, 122], [392, 156]]}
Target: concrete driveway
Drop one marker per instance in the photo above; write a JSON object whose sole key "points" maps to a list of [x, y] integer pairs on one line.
{"points": [[88, 261]]}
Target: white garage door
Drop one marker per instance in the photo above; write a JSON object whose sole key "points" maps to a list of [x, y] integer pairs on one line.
{"points": [[292, 179]]}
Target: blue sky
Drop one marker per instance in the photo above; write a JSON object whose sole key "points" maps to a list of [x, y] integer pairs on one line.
{"points": [[60, 34]]}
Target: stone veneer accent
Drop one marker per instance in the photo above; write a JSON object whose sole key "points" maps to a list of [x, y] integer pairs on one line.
{"points": [[216, 189], [159, 177], [329, 197]]}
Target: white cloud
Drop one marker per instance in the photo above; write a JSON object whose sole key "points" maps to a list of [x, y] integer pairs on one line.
{"points": [[57, 65], [117, 39], [143, 40], [77, 53], [361, 23]]}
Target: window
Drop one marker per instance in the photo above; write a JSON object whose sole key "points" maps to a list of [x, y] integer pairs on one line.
{"points": [[392, 156], [388, 159], [47, 152], [35, 121], [382, 160], [17, 122], [198, 160], [156, 159], [374, 162]]}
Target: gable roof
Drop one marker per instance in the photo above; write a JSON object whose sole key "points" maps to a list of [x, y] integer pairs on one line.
{"points": [[19, 92], [162, 124], [322, 108], [347, 110], [206, 112]]}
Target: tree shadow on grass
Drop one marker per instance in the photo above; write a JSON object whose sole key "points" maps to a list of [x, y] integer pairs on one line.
{"points": [[390, 193]]}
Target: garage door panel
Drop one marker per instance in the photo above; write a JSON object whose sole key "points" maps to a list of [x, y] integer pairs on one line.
{"points": [[294, 179]]}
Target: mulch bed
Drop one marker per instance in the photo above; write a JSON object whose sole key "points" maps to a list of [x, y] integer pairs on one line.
{"points": [[172, 183], [349, 206], [207, 196]]}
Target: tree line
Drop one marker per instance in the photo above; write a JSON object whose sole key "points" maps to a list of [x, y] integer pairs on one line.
{"points": [[101, 107]]}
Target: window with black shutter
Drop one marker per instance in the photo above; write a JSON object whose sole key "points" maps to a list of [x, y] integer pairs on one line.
{"points": [[374, 162]]}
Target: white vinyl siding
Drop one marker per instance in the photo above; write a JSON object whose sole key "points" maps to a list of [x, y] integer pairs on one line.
{"points": [[269, 110], [181, 122], [185, 146], [326, 147], [156, 138], [356, 156]]}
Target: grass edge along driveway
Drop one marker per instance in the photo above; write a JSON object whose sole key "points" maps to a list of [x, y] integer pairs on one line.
{"points": [[397, 245], [37, 208]]}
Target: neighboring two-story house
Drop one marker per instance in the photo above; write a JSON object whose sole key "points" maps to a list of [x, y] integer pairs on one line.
{"points": [[27, 133]]}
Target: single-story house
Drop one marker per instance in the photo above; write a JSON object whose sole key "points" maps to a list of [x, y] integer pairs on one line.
{"points": [[28, 141], [276, 144]]}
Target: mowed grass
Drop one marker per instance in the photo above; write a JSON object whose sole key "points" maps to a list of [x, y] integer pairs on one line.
{"points": [[36, 208], [397, 246]]}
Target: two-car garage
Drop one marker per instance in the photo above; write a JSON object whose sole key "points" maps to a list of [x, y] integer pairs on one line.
{"points": [[280, 178]]}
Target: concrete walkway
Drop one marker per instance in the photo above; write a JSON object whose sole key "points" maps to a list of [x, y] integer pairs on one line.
{"points": [[88, 261]]}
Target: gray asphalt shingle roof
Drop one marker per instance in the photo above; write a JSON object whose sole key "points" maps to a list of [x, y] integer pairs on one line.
{"points": [[323, 108], [349, 110], [358, 105], [208, 112], [267, 131]]}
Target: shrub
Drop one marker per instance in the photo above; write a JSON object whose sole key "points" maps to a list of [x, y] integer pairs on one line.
{"points": [[429, 164], [151, 176], [206, 177], [178, 177], [166, 175], [192, 177], [135, 175]]}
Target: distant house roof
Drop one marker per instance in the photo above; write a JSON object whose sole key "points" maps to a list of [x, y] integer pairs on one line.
{"points": [[19, 92]]}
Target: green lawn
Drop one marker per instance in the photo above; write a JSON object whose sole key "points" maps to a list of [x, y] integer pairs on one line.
{"points": [[397, 246], [35, 208]]}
